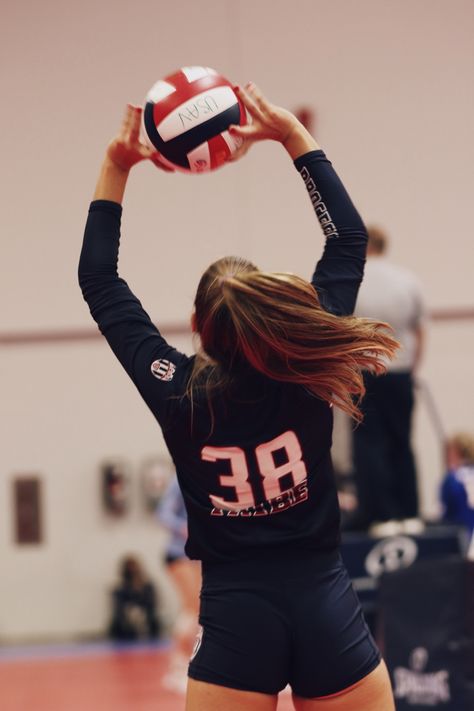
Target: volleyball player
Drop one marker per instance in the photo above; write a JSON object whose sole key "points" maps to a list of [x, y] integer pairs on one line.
{"points": [[248, 423]]}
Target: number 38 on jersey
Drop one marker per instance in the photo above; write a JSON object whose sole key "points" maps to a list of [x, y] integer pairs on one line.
{"points": [[277, 479]]}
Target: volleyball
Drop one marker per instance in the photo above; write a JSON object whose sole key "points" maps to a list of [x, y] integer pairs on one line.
{"points": [[186, 117]]}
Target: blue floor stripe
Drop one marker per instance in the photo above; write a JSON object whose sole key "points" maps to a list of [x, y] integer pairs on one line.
{"points": [[77, 649]]}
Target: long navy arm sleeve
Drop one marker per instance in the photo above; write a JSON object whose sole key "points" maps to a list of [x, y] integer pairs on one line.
{"points": [[108, 296], [340, 270], [144, 353]]}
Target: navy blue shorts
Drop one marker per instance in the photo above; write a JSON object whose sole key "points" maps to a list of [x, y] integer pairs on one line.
{"points": [[282, 620]]}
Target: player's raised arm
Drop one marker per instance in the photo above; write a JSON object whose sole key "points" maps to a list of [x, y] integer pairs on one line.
{"points": [[339, 272], [123, 152], [131, 334]]}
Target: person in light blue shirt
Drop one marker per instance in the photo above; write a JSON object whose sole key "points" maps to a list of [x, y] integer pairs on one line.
{"points": [[171, 513], [186, 576]]}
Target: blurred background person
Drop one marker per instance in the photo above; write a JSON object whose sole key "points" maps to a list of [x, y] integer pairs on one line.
{"points": [[186, 576], [457, 489], [134, 614], [384, 463]]}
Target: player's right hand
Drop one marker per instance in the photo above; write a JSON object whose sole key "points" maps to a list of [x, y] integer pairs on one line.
{"points": [[268, 122]]}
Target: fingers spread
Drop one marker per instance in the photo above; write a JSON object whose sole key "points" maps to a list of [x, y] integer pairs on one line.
{"points": [[258, 97], [249, 102], [130, 128], [126, 122], [243, 131], [135, 123]]}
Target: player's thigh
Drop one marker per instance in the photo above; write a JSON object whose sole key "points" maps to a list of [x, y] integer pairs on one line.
{"points": [[202, 696], [372, 693]]}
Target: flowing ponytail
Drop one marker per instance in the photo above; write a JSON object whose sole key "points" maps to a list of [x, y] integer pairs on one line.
{"points": [[274, 322]]}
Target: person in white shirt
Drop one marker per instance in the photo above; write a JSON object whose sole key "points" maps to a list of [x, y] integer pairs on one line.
{"points": [[383, 458]]}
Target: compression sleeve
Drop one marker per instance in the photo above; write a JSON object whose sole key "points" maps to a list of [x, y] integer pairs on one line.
{"points": [[339, 272], [146, 356]]}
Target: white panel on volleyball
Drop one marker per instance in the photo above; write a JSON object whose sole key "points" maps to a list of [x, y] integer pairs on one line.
{"points": [[200, 158], [193, 73], [144, 139], [160, 91], [233, 142], [196, 111]]}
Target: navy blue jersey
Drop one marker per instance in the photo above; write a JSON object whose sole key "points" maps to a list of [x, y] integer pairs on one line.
{"points": [[259, 477]]}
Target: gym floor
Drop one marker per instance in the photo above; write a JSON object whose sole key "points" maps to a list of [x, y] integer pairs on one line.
{"points": [[90, 678]]}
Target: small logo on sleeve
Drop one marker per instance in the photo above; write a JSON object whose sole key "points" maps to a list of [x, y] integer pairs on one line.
{"points": [[163, 369]]}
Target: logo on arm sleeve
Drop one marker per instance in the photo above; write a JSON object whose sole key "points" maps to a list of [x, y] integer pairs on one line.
{"points": [[163, 369]]}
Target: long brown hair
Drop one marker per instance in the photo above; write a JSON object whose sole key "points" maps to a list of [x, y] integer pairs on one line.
{"points": [[275, 323]]}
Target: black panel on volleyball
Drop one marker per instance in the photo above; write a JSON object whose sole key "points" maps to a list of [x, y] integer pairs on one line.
{"points": [[426, 627], [176, 149]]}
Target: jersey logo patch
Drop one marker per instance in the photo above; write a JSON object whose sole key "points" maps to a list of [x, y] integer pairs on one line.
{"points": [[163, 369]]}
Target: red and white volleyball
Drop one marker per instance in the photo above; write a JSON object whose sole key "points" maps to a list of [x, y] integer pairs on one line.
{"points": [[186, 117]]}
